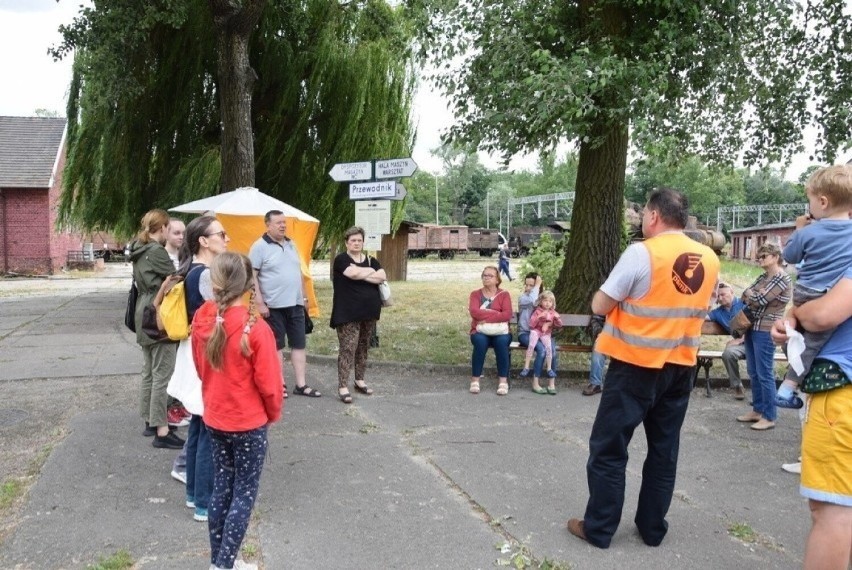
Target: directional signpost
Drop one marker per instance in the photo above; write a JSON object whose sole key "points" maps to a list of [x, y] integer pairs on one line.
{"points": [[395, 168], [374, 180], [401, 192], [372, 190], [351, 171]]}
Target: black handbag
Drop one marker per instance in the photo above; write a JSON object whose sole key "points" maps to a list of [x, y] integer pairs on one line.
{"points": [[150, 326], [130, 311]]}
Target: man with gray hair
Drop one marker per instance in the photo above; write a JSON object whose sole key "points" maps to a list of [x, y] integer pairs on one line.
{"points": [[729, 305]]}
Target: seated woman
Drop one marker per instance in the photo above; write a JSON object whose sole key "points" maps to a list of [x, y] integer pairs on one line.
{"points": [[490, 310]]}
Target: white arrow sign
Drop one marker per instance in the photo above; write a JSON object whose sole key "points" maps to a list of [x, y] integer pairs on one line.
{"points": [[349, 171], [372, 190], [401, 192], [395, 168]]}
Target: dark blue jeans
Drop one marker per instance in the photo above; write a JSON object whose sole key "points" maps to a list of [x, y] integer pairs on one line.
{"points": [[538, 363], [632, 395], [199, 463], [760, 352], [237, 462], [499, 343]]}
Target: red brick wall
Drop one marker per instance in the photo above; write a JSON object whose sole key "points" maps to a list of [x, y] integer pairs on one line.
{"points": [[25, 231], [61, 241]]}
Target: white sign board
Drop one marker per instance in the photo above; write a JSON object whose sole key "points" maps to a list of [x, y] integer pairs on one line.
{"points": [[395, 168], [374, 216], [373, 242], [349, 171], [401, 192], [372, 190]]}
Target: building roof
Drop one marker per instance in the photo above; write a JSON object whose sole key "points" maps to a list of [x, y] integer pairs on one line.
{"points": [[29, 149], [765, 227]]}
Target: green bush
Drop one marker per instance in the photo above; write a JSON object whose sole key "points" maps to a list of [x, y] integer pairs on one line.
{"points": [[545, 258]]}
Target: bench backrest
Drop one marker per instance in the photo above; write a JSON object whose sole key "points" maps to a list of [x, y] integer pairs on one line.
{"points": [[568, 320]]}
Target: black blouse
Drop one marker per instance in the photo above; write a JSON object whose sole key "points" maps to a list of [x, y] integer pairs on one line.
{"points": [[355, 300]]}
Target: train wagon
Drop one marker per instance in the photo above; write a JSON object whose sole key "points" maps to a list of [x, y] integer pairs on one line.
{"points": [[447, 241]]}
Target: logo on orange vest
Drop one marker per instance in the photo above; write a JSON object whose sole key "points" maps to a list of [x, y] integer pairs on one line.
{"points": [[688, 273]]}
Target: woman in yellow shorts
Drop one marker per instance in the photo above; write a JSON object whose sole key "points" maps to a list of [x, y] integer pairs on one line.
{"points": [[827, 430]]}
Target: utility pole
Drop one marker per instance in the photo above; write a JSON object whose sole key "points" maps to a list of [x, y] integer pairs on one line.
{"points": [[436, 199]]}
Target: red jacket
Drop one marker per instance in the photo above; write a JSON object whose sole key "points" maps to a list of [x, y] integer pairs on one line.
{"points": [[500, 310], [248, 392]]}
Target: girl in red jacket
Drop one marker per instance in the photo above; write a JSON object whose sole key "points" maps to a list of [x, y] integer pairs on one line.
{"points": [[241, 387]]}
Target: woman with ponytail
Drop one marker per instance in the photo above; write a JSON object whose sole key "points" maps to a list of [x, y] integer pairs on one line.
{"points": [[151, 266], [205, 239], [237, 361]]}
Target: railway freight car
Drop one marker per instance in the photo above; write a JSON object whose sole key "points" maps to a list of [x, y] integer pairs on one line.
{"points": [[447, 241]]}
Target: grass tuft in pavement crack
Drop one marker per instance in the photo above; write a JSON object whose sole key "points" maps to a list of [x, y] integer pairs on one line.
{"points": [[121, 560]]}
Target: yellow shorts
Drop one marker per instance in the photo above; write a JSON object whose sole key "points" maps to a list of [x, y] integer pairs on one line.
{"points": [[827, 447]]}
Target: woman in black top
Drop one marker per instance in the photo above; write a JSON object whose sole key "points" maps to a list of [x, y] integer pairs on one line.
{"points": [[355, 309]]}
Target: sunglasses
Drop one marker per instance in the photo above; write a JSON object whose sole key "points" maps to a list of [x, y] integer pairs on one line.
{"points": [[221, 234]]}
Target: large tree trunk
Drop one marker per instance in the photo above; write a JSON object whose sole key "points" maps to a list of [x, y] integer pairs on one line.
{"points": [[596, 222], [234, 25]]}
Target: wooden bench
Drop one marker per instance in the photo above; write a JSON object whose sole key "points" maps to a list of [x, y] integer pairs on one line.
{"points": [[568, 322], [706, 357]]}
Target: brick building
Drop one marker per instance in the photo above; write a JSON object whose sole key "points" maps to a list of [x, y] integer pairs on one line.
{"points": [[745, 241], [32, 156]]}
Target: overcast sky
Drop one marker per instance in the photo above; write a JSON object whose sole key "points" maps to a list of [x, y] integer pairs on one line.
{"points": [[31, 80]]}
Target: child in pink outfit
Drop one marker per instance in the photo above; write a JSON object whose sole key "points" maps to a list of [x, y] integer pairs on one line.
{"points": [[543, 321]]}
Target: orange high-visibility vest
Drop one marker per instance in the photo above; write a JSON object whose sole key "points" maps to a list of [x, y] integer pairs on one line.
{"points": [[664, 326]]}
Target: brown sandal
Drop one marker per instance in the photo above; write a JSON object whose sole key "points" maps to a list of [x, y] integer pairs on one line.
{"points": [[363, 388], [346, 397]]}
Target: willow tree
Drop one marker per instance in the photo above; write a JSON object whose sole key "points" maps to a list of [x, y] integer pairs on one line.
{"points": [[713, 77], [328, 82]]}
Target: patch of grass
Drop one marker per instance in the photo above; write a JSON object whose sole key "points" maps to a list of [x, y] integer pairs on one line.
{"points": [[742, 531], [369, 427], [249, 550], [10, 491], [738, 274], [520, 558], [121, 560]]}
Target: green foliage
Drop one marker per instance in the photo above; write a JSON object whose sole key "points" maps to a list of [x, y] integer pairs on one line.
{"points": [[707, 186], [684, 75], [545, 258], [334, 84]]}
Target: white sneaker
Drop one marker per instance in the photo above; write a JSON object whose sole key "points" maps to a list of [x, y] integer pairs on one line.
{"points": [[179, 476], [242, 565], [792, 467]]}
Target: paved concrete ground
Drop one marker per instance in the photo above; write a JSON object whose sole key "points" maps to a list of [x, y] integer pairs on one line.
{"points": [[420, 475]]}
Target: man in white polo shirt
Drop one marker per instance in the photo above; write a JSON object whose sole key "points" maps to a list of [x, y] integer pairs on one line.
{"points": [[279, 293]]}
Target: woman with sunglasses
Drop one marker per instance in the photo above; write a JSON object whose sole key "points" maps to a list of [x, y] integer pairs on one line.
{"points": [[766, 299], [205, 239], [490, 310]]}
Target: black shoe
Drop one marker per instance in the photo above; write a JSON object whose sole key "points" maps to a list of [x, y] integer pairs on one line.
{"points": [[169, 441], [150, 431]]}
